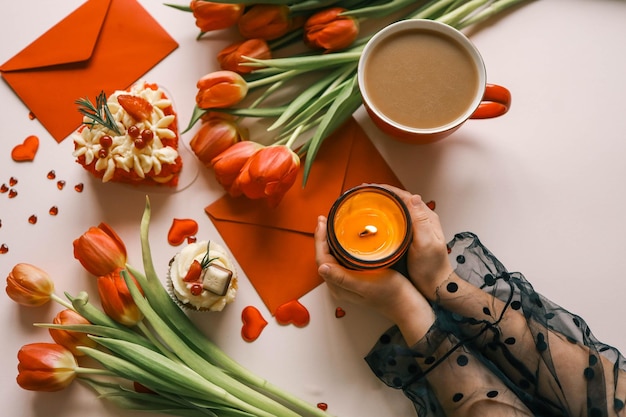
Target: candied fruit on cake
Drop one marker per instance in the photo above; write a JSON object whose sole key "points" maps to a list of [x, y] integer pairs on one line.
{"points": [[130, 137]]}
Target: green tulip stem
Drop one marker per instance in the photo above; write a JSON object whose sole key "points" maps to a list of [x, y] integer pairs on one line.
{"points": [[79, 370], [163, 349], [61, 301]]}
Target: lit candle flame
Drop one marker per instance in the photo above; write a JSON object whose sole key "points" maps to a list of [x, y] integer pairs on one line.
{"points": [[368, 230]]}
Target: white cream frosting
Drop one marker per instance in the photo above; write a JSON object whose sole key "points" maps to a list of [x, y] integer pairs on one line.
{"points": [[179, 267], [123, 154]]}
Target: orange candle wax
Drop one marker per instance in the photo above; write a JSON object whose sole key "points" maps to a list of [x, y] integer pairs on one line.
{"points": [[368, 228]]}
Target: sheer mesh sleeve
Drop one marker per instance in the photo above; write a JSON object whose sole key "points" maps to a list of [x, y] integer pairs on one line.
{"points": [[508, 334]]}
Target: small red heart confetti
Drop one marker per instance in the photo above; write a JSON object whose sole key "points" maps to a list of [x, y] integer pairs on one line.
{"points": [[322, 406], [253, 323], [340, 312], [292, 312], [27, 150], [180, 230], [431, 205]]}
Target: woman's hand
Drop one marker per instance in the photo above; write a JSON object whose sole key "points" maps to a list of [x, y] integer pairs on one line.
{"points": [[428, 262], [387, 291]]}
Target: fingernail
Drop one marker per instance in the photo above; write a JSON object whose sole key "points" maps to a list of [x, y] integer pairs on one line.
{"points": [[323, 269], [416, 200]]}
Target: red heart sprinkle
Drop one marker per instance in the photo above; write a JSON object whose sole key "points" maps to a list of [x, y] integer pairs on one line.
{"points": [[322, 406], [253, 323], [292, 312], [431, 205], [339, 312], [180, 230], [27, 150]]}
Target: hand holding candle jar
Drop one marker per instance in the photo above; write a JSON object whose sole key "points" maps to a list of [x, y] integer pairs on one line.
{"points": [[369, 227]]}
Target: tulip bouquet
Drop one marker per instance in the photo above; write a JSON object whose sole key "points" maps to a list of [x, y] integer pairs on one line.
{"points": [[152, 357], [305, 95]]}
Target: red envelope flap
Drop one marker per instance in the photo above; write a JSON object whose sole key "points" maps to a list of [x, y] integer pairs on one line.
{"points": [[367, 164], [71, 40], [300, 207]]}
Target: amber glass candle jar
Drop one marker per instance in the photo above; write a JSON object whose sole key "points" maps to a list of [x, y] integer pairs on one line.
{"points": [[369, 227]]}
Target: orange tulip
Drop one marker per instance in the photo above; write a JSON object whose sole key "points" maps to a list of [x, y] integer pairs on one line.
{"points": [[100, 250], [231, 57], [215, 16], [329, 30], [265, 21], [228, 164], [269, 174], [71, 339], [29, 286], [220, 89], [116, 300], [45, 367], [214, 137]]}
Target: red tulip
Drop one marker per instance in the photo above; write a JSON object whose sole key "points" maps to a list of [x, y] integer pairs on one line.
{"points": [[116, 300], [215, 16], [229, 163], [231, 57], [329, 30], [265, 21], [45, 367], [269, 174], [29, 286], [100, 250], [214, 137], [220, 89], [71, 339]]}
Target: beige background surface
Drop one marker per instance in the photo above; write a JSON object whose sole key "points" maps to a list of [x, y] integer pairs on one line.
{"points": [[542, 186]]}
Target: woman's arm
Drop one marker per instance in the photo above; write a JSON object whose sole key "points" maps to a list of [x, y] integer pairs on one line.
{"points": [[544, 352]]}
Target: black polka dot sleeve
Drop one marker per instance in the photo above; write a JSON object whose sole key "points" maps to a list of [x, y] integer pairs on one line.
{"points": [[498, 343]]}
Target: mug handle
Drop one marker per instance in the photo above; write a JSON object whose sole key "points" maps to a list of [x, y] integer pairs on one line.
{"points": [[496, 102]]}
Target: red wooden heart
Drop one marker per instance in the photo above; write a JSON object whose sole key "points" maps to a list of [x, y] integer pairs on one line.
{"points": [[340, 312], [27, 150], [180, 230], [292, 312], [253, 323]]}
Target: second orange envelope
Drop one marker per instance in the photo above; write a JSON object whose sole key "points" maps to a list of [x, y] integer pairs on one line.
{"points": [[274, 246]]}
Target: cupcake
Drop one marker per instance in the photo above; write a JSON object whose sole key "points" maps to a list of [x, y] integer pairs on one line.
{"points": [[202, 277], [130, 137]]}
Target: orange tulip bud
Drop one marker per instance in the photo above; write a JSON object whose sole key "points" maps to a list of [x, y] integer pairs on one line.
{"points": [[329, 30], [228, 164], [100, 250], [265, 21], [231, 57], [220, 89], [71, 339], [215, 16], [29, 286], [116, 299], [214, 137], [269, 174], [45, 367]]}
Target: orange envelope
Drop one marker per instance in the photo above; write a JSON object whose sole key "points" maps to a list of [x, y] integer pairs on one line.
{"points": [[103, 45], [274, 247]]}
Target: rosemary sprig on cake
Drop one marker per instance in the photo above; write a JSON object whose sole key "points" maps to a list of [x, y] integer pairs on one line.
{"points": [[98, 113]]}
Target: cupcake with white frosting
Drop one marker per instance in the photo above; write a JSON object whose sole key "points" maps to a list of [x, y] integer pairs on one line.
{"points": [[202, 277]]}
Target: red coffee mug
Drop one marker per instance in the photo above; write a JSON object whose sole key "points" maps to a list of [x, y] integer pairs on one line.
{"points": [[487, 101]]}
